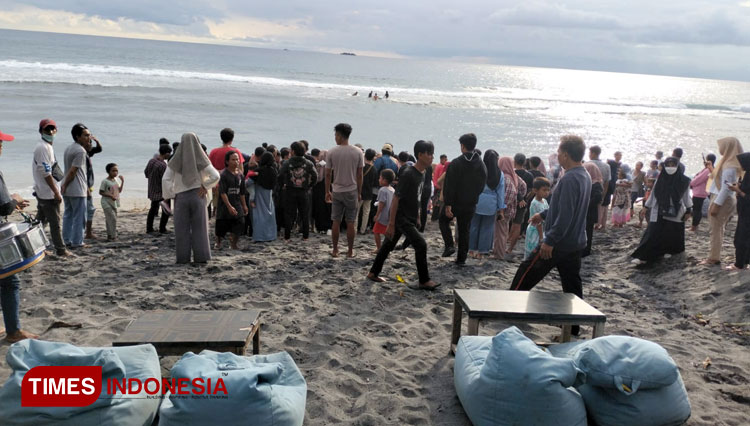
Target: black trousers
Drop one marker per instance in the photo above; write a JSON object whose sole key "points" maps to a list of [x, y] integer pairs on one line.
{"points": [[742, 242], [463, 222], [697, 210], [534, 269], [295, 206], [409, 230], [152, 213]]}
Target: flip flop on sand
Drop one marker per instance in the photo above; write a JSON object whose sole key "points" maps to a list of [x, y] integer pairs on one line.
{"points": [[709, 262]]}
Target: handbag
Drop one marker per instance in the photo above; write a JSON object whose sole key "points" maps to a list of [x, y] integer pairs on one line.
{"points": [[57, 172], [668, 211]]}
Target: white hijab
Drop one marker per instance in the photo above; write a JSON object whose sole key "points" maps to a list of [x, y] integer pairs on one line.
{"points": [[189, 160]]}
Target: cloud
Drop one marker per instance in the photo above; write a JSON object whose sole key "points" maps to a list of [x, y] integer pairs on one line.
{"points": [[537, 14], [708, 28]]}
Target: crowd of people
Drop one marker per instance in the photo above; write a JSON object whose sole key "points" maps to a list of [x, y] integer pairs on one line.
{"points": [[484, 203]]}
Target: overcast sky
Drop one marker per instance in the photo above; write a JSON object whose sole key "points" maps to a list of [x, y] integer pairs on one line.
{"points": [[701, 38]]}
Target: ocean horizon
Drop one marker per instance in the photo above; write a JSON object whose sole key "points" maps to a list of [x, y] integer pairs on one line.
{"points": [[131, 92]]}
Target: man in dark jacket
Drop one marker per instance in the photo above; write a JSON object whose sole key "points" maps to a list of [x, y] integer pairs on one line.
{"points": [[564, 226], [464, 181], [297, 176]]}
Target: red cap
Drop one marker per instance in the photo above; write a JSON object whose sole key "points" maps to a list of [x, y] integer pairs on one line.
{"points": [[6, 137], [47, 122]]}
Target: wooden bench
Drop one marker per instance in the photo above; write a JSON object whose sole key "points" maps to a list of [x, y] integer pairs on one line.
{"points": [[177, 332], [525, 306]]}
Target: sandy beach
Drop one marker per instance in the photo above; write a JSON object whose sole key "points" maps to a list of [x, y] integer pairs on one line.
{"points": [[377, 354]]}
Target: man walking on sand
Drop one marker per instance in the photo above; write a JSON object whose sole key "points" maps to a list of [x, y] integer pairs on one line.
{"points": [[464, 181], [564, 226], [344, 172], [405, 218]]}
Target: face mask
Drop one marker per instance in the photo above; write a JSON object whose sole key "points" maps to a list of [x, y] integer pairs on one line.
{"points": [[670, 170], [48, 138]]}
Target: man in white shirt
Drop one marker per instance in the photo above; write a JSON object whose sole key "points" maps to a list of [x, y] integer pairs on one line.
{"points": [[45, 170]]}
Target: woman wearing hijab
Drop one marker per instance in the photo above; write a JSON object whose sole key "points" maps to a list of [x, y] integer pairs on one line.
{"points": [[597, 194], [188, 179], [515, 189], [723, 200], [264, 213], [742, 234], [670, 205], [489, 207]]}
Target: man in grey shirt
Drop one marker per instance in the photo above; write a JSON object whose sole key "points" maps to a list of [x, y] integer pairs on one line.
{"points": [[75, 187], [564, 226]]}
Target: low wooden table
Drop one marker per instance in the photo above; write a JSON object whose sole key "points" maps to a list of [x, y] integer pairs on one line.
{"points": [[177, 332], [538, 307]]}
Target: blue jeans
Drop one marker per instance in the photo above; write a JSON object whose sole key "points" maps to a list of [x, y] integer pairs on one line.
{"points": [[481, 233], [9, 300], [74, 219]]}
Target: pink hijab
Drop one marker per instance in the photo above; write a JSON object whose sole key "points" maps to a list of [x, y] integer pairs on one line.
{"points": [[594, 172], [506, 166]]}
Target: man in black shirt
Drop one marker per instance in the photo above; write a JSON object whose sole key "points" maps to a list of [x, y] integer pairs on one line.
{"points": [[405, 217]]}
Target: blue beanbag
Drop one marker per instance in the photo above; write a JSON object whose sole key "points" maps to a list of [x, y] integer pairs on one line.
{"points": [[117, 362], [666, 406], [508, 380], [621, 362], [266, 390]]}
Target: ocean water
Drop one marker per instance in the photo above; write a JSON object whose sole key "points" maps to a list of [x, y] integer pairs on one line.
{"points": [[132, 92]]}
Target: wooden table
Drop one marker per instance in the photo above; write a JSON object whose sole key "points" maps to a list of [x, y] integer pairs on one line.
{"points": [[177, 332], [527, 306]]}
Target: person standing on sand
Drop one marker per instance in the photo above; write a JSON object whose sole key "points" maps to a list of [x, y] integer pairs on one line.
{"points": [[594, 153], [669, 206], [9, 286], [464, 181], [404, 217], [217, 156], [699, 187], [723, 201], [90, 208], [595, 200], [742, 234], [46, 173], [344, 168], [75, 187], [154, 171], [188, 179], [564, 226]]}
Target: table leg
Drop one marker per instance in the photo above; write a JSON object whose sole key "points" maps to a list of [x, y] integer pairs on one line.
{"points": [[256, 341], [598, 330], [473, 329], [566, 332], [456, 334]]}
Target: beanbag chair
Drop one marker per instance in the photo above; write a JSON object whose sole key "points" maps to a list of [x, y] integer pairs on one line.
{"points": [[666, 406], [139, 362], [508, 380], [266, 390], [621, 362]]}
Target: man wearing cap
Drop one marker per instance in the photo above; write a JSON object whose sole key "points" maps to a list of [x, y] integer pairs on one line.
{"points": [[386, 161], [45, 170], [9, 286], [75, 186]]}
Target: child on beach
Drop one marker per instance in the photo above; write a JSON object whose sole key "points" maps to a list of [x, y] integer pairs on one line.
{"points": [[621, 200], [110, 191], [645, 210], [385, 197], [232, 209], [534, 233]]}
